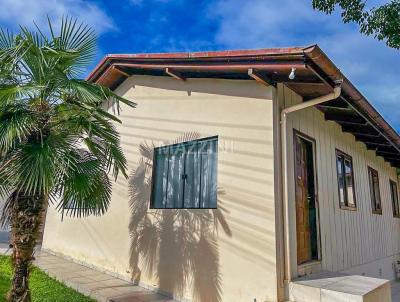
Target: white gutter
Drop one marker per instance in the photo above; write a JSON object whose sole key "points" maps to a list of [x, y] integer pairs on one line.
{"points": [[331, 96]]}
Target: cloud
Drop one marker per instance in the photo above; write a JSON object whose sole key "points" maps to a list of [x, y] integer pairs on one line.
{"points": [[22, 12], [368, 63], [261, 23]]}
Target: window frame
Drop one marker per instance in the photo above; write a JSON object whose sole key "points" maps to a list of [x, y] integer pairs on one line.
{"points": [[152, 193], [372, 191], [345, 204], [391, 184]]}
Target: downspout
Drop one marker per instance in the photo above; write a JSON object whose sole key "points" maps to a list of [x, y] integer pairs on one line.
{"points": [[331, 96]]}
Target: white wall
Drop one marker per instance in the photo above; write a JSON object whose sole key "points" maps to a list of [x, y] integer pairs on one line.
{"points": [[351, 241], [240, 113]]}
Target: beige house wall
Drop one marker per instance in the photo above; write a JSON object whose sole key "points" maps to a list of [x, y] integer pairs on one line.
{"points": [[356, 242], [241, 114]]}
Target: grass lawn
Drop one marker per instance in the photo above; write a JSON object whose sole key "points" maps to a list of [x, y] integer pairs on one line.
{"points": [[44, 288]]}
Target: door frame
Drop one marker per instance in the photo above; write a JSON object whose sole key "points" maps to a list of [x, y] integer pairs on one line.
{"points": [[312, 265]]}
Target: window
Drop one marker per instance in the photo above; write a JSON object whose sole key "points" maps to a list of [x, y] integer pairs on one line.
{"points": [[395, 199], [347, 197], [185, 175], [374, 189]]}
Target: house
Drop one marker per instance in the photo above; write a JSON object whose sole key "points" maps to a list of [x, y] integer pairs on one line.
{"points": [[248, 170]]}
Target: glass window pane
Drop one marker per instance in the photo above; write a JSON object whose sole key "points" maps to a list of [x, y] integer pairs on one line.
{"points": [[374, 188], [185, 175], [175, 180], [192, 184], [376, 191], [160, 178], [371, 188], [339, 162], [395, 198], [348, 169], [208, 195], [392, 195]]}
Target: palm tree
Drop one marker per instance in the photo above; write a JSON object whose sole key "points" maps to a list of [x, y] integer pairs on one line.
{"points": [[58, 144]]}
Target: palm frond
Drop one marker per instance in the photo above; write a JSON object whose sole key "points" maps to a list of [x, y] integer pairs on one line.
{"points": [[36, 165], [7, 40], [85, 187], [47, 115], [91, 93], [8, 207], [77, 42], [10, 94], [16, 123], [6, 183]]}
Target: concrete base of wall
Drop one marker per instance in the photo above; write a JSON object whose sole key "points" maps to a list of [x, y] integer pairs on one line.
{"points": [[330, 287]]}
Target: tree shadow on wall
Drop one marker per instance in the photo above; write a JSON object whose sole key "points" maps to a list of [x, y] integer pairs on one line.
{"points": [[178, 247]]}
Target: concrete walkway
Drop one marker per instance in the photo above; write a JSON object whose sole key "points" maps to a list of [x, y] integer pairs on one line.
{"points": [[100, 286]]}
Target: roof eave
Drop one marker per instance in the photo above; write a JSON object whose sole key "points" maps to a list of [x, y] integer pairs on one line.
{"points": [[311, 55], [198, 55]]}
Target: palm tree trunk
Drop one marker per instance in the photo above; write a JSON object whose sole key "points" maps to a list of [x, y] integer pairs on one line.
{"points": [[26, 221]]}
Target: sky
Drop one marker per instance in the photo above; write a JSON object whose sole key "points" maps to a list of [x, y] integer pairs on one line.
{"points": [[135, 26]]}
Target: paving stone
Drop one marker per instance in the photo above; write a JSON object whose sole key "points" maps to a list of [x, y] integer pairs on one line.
{"points": [[107, 293], [130, 289], [114, 282], [98, 285], [141, 297], [153, 298], [66, 276], [86, 272], [101, 277], [83, 280]]}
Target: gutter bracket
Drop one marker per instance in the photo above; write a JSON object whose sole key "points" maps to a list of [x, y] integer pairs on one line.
{"points": [[175, 74], [258, 77]]}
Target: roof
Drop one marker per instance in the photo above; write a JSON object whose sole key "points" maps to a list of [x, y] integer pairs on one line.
{"points": [[316, 75]]}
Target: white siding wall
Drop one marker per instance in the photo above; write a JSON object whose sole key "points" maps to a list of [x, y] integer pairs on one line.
{"points": [[351, 241]]}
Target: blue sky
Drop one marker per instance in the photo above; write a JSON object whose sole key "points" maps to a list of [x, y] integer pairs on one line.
{"points": [[134, 26]]}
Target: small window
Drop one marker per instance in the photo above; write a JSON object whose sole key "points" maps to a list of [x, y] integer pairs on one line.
{"points": [[375, 192], [185, 175], [395, 199], [347, 197]]}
